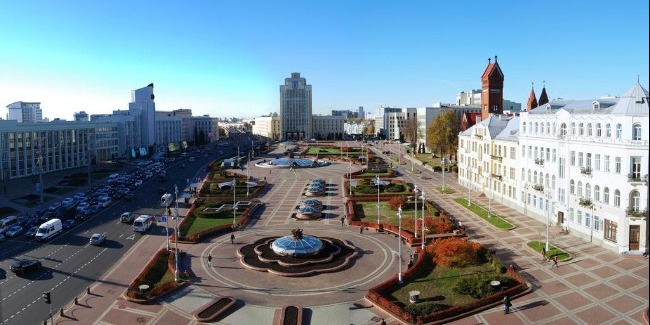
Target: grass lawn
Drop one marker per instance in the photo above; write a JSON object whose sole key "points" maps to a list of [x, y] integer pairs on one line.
{"points": [[326, 151], [400, 161], [445, 190], [537, 246], [386, 172], [386, 215], [436, 284], [195, 225], [494, 219], [156, 275]]}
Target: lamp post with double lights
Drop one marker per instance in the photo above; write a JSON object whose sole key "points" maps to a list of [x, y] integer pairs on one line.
{"points": [[486, 181], [443, 162], [176, 234], [423, 237], [350, 179], [415, 195], [247, 176], [234, 203], [399, 246], [548, 217], [377, 181]]}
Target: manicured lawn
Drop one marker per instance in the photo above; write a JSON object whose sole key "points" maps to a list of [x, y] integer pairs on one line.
{"points": [[480, 211], [156, 275], [445, 190], [367, 211], [436, 284], [537, 246], [195, 225], [325, 151], [381, 173]]}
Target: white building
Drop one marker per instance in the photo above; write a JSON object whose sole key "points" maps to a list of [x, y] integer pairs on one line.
{"points": [[582, 164], [267, 126], [143, 107], [353, 128], [295, 108], [25, 112], [473, 98]]}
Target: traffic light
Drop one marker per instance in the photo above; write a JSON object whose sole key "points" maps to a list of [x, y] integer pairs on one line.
{"points": [[46, 298]]}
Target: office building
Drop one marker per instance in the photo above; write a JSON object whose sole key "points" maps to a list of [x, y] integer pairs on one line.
{"points": [[25, 112], [296, 108]]}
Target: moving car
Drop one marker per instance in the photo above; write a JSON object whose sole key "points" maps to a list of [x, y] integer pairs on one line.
{"points": [[24, 266], [49, 229], [31, 232], [14, 231], [127, 217], [68, 224], [97, 238]]}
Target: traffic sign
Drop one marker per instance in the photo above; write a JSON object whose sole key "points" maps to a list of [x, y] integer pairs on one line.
{"points": [[163, 219]]}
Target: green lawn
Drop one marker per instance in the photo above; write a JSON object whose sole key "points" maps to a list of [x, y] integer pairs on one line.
{"points": [[386, 215], [445, 190], [494, 219], [436, 284], [323, 151], [537, 246], [381, 173], [195, 225]]}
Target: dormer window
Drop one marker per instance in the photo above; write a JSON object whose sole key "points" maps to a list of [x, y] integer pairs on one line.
{"points": [[596, 106]]}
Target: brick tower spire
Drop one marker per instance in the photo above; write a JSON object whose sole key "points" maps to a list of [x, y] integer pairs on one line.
{"points": [[543, 97], [492, 95], [532, 100]]}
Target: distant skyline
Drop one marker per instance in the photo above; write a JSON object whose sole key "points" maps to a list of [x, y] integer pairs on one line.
{"points": [[228, 59]]}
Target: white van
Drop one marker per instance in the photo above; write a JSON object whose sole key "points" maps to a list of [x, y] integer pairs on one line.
{"points": [[7, 222], [143, 223], [49, 229]]}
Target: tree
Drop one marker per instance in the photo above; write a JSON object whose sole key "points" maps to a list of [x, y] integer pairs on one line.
{"points": [[442, 133], [410, 131]]}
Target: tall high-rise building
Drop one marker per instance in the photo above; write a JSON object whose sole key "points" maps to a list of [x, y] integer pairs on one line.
{"points": [[361, 113], [81, 116], [142, 102], [295, 108], [25, 112]]}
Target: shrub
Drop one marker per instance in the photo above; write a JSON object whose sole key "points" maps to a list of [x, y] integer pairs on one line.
{"points": [[395, 188], [397, 202], [440, 226], [475, 286], [422, 308], [456, 252]]}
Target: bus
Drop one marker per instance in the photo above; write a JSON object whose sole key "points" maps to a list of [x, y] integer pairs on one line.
{"points": [[143, 223]]}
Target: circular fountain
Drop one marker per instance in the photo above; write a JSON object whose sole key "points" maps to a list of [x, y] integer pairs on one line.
{"points": [[292, 163], [297, 244]]}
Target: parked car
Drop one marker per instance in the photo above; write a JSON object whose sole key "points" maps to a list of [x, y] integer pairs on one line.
{"points": [[82, 215], [67, 202], [128, 196], [14, 231], [138, 183], [31, 232], [68, 224], [97, 239], [24, 266], [22, 220], [83, 205], [54, 206]]}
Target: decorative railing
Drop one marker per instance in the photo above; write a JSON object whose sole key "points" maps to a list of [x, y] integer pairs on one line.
{"points": [[633, 212], [495, 157], [636, 178], [478, 136], [497, 177], [584, 202], [539, 161], [538, 187], [585, 170]]}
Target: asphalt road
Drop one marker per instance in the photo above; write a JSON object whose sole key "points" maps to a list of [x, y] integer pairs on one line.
{"points": [[70, 264]]}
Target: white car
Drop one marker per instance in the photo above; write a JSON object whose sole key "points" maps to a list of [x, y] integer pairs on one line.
{"points": [[97, 239], [137, 183], [67, 202]]}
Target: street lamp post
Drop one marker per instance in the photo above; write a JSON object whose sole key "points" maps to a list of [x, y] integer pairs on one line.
{"points": [[548, 217], [486, 180], [399, 245], [234, 209], [591, 224], [412, 158], [469, 190], [350, 175], [415, 194], [377, 180], [176, 234], [443, 161], [423, 237], [247, 176]]}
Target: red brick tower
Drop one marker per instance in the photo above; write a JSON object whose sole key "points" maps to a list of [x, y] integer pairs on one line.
{"points": [[532, 100], [543, 97], [492, 96]]}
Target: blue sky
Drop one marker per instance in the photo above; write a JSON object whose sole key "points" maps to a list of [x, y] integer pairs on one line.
{"points": [[228, 58]]}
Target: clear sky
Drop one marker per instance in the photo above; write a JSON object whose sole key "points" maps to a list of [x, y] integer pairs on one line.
{"points": [[228, 58]]}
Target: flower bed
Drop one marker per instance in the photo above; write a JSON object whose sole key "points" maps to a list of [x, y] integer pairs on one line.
{"points": [[133, 292], [213, 309]]}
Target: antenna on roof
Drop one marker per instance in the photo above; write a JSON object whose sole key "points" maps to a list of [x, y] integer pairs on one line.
{"points": [[495, 59]]}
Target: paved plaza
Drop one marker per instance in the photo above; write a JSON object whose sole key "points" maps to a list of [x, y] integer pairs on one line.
{"points": [[596, 286]]}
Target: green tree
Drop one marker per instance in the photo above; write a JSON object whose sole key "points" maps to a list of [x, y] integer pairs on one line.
{"points": [[442, 133], [410, 130]]}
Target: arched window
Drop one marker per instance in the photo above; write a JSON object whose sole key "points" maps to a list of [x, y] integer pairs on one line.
{"points": [[581, 129], [589, 130], [563, 129], [547, 181], [636, 132], [573, 129], [597, 193], [548, 128], [535, 174], [536, 128], [608, 130], [523, 174], [579, 192], [529, 176], [619, 131], [523, 127], [588, 191], [617, 198], [635, 201], [599, 132], [572, 187], [606, 195], [553, 182]]}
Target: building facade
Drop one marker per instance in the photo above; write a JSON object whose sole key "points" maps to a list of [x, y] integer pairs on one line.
{"points": [[25, 112], [327, 127], [268, 126], [142, 106], [296, 108]]}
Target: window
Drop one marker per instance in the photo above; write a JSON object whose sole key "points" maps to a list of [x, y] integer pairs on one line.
{"points": [[599, 132], [579, 189], [588, 163], [617, 165], [580, 159], [563, 130], [597, 162], [572, 187], [560, 167], [554, 155], [606, 195], [548, 128], [523, 174], [589, 129], [573, 158], [581, 129], [596, 223], [573, 129], [553, 182], [548, 154], [636, 167], [588, 191], [619, 131], [513, 153], [608, 130], [579, 217], [617, 198], [635, 201], [530, 152], [571, 213], [636, 132], [523, 128], [523, 151], [587, 219], [606, 161], [610, 230], [597, 193], [536, 128], [560, 195]]}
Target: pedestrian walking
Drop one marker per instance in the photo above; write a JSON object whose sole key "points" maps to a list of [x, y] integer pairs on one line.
{"points": [[506, 305], [361, 229], [342, 221], [232, 239], [544, 258], [209, 260], [383, 322], [555, 261]]}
